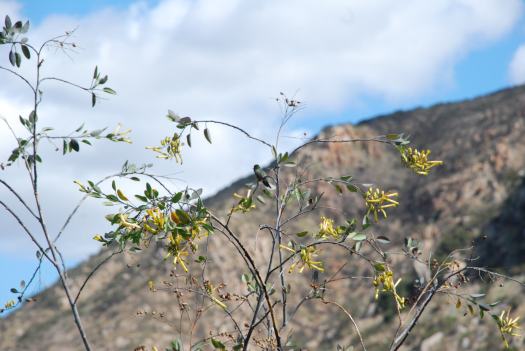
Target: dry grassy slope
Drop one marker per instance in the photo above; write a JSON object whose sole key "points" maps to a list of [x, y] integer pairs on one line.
{"points": [[480, 190]]}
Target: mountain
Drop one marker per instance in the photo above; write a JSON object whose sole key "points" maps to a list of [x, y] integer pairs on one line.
{"points": [[477, 196]]}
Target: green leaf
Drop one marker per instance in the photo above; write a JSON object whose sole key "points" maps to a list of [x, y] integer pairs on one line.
{"points": [[176, 198], [352, 188], [176, 345], [142, 198], [484, 307], [74, 145], [366, 222], [7, 22], [207, 135], [217, 344], [383, 239], [12, 58], [103, 80], [477, 296], [188, 139], [25, 28], [112, 198], [358, 237], [183, 216], [18, 59], [392, 136], [113, 185], [379, 267], [172, 116], [93, 99], [14, 291], [302, 234], [33, 117], [108, 90], [26, 52], [283, 158], [95, 74]]}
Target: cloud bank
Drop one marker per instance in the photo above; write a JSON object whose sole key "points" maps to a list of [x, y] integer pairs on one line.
{"points": [[227, 60]]}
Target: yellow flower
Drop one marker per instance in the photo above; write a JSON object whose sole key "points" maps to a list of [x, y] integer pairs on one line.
{"points": [[170, 148], [377, 201], [124, 222], [179, 253], [154, 220], [507, 326], [327, 230], [384, 282], [306, 256], [9, 304], [417, 160], [99, 238]]}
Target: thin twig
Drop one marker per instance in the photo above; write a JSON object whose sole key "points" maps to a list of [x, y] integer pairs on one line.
{"points": [[349, 315], [100, 264]]}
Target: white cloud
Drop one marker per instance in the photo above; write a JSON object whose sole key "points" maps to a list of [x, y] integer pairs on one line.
{"points": [[226, 60], [517, 66]]}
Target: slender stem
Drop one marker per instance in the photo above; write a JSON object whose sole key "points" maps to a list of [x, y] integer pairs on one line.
{"points": [[280, 207], [19, 76], [19, 198], [238, 129], [66, 82], [104, 261], [349, 315], [338, 141], [51, 246], [28, 232]]}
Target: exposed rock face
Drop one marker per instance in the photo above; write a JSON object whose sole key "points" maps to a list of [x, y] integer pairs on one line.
{"points": [[479, 191]]}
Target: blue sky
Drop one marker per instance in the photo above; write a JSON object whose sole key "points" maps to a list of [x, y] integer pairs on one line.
{"points": [[215, 68]]}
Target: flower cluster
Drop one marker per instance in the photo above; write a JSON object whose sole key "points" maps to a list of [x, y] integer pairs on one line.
{"points": [[507, 326], [377, 201], [327, 229], [185, 236], [417, 160], [306, 259], [154, 221], [169, 148], [180, 231], [384, 282]]}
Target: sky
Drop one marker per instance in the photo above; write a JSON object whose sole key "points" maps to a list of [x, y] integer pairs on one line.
{"points": [[227, 60]]}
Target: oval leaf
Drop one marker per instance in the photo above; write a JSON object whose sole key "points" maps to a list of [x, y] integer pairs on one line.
{"points": [[383, 239], [207, 135], [121, 195], [26, 52]]}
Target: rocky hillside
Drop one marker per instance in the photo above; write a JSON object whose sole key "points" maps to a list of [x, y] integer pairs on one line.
{"points": [[479, 194]]}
